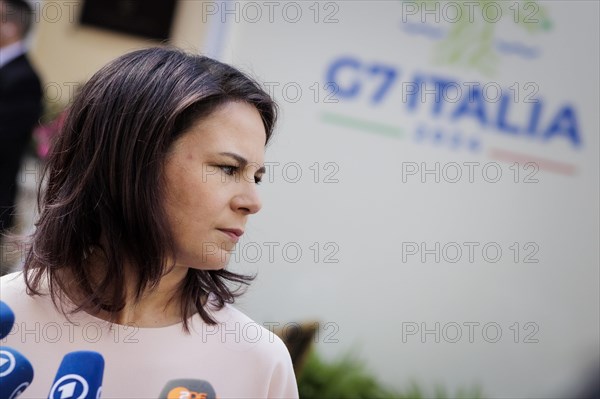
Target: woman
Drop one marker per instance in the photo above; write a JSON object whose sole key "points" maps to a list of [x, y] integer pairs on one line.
{"points": [[149, 187]]}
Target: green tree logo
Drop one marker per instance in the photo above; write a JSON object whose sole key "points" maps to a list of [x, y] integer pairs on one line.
{"points": [[470, 39]]}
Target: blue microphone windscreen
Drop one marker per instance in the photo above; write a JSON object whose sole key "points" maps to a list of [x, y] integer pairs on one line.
{"points": [[16, 373], [79, 376], [7, 319], [188, 388]]}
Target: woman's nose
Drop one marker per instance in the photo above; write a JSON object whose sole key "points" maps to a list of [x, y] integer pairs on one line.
{"points": [[248, 199]]}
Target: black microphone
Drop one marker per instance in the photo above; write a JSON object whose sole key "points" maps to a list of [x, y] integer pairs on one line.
{"points": [[16, 373], [79, 376], [188, 389], [7, 319]]}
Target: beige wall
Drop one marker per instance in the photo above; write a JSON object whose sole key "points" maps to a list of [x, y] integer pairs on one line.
{"points": [[65, 52]]}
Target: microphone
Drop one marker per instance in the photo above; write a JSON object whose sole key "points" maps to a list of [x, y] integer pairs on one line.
{"points": [[7, 319], [16, 373], [79, 376], [188, 389]]}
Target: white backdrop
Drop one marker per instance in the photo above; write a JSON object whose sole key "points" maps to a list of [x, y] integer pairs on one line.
{"points": [[351, 226]]}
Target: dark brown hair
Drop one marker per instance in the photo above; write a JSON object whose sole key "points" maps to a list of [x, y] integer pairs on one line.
{"points": [[104, 179]]}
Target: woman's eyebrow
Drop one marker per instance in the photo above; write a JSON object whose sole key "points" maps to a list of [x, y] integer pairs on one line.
{"points": [[243, 161]]}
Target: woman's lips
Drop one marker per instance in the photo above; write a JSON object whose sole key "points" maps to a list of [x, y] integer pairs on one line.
{"points": [[233, 234]]}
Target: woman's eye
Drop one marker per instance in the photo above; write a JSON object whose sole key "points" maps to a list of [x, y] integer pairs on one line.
{"points": [[229, 170], [232, 170]]}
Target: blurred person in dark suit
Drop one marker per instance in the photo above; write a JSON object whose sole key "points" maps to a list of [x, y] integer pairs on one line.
{"points": [[20, 102]]}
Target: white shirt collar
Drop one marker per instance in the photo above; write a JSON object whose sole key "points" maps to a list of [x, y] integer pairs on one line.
{"points": [[10, 52]]}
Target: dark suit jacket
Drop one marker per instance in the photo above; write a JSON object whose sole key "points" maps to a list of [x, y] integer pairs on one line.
{"points": [[20, 110], [20, 100]]}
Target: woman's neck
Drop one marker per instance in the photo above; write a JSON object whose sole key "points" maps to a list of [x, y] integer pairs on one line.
{"points": [[157, 307]]}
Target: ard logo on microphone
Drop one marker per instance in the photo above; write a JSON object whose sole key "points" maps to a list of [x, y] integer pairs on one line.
{"points": [[7, 363], [71, 386], [16, 373]]}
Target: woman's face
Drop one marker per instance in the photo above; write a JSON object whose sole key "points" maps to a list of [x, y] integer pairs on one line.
{"points": [[211, 173]]}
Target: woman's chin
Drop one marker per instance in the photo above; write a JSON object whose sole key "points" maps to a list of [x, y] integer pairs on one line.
{"points": [[210, 263]]}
